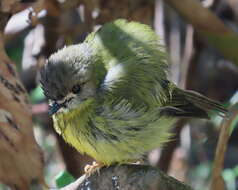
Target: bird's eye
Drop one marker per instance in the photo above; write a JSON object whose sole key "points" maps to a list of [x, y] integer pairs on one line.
{"points": [[76, 89]]}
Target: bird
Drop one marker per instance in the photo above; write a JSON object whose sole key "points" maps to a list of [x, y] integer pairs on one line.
{"points": [[110, 96]]}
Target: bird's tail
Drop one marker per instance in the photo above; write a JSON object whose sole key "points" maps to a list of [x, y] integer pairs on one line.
{"points": [[203, 103]]}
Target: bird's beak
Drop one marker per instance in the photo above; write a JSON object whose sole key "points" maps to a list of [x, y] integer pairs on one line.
{"points": [[54, 108]]}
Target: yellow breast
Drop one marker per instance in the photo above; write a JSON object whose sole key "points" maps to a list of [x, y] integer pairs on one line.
{"points": [[71, 125], [111, 140]]}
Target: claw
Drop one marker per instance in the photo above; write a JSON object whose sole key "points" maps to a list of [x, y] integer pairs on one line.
{"points": [[95, 167]]}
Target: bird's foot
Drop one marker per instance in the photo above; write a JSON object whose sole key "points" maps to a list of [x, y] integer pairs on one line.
{"points": [[95, 167]]}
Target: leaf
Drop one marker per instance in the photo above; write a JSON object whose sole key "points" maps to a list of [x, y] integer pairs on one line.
{"points": [[37, 95], [63, 178]]}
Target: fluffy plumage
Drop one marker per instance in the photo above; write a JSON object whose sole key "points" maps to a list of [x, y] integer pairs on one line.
{"points": [[123, 105]]}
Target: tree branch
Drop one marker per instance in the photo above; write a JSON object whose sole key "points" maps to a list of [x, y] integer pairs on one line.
{"points": [[216, 34], [128, 177], [217, 181]]}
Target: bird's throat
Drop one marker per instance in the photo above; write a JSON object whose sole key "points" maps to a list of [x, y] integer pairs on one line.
{"points": [[74, 117]]}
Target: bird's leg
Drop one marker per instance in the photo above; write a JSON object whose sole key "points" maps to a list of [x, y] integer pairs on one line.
{"points": [[90, 169]]}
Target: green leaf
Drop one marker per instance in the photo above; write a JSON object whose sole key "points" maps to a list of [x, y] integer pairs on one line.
{"points": [[37, 95], [235, 170], [229, 177], [64, 178]]}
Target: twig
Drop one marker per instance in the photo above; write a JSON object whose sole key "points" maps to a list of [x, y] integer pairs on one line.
{"points": [[159, 20], [217, 182], [128, 177], [217, 34], [187, 56]]}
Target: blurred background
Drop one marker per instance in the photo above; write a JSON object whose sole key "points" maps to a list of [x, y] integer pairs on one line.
{"points": [[39, 28]]}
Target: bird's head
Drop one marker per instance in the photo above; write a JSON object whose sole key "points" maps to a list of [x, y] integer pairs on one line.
{"points": [[69, 77]]}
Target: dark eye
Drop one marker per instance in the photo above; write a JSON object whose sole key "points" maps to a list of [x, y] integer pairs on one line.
{"points": [[76, 89]]}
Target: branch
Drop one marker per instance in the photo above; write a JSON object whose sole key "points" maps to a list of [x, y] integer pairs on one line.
{"points": [[21, 159], [217, 182], [209, 26], [128, 177]]}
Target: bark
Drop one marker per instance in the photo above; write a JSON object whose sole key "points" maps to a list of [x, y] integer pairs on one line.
{"points": [[21, 160], [128, 177]]}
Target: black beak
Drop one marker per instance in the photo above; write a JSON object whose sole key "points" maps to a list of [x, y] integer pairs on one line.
{"points": [[54, 108]]}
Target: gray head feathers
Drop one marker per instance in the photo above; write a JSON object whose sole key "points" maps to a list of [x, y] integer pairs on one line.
{"points": [[65, 68]]}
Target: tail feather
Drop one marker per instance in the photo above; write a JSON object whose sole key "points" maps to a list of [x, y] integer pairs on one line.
{"points": [[186, 103], [205, 103]]}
